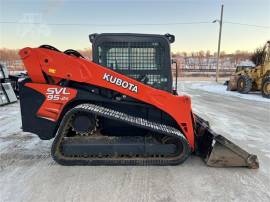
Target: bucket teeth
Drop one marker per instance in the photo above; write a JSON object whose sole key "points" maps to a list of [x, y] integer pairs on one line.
{"points": [[218, 151]]}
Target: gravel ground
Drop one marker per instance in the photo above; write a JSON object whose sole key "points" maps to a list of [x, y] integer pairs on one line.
{"points": [[27, 172]]}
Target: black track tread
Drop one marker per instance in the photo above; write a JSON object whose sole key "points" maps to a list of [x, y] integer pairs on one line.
{"points": [[119, 116], [247, 84]]}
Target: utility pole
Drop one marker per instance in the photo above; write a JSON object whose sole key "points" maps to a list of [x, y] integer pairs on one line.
{"points": [[219, 41]]}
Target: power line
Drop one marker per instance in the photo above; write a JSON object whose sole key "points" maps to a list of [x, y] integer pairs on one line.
{"points": [[104, 25], [126, 25], [250, 25]]}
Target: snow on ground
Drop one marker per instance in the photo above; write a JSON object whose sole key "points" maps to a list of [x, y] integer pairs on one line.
{"points": [[221, 89], [27, 172]]}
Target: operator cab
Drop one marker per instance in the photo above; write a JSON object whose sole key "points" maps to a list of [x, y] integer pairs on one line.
{"points": [[144, 57]]}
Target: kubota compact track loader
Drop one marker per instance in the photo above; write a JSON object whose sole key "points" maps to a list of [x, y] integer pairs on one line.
{"points": [[120, 108]]}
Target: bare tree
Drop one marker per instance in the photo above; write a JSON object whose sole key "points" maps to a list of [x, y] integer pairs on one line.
{"points": [[257, 56]]}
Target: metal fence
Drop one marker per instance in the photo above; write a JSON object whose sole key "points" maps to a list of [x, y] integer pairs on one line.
{"points": [[187, 66]]}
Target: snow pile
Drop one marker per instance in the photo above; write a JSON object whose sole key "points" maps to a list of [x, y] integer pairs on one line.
{"points": [[221, 89]]}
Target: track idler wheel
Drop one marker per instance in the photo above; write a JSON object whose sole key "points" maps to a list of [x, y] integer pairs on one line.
{"points": [[183, 149], [84, 123]]}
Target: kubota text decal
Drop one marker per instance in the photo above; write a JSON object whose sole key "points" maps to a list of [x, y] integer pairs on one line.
{"points": [[119, 82]]}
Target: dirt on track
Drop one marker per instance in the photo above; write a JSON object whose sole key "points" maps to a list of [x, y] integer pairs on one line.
{"points": [[27, 172]]}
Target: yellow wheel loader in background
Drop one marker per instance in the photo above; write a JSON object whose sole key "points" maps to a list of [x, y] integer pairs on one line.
{"points": [[253, 79]]}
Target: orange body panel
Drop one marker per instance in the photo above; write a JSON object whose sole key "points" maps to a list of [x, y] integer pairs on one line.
{"points": [[61, 66], [56, 97]]}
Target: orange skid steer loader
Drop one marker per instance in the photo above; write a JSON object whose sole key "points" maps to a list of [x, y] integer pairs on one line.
{"points": [[120, 108]]}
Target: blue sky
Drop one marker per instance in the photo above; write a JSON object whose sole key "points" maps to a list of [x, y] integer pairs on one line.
{"points": [[102, 16]]}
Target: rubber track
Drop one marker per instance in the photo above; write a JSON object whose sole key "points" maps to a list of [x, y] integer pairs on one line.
{"points": [[119, 116]]}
